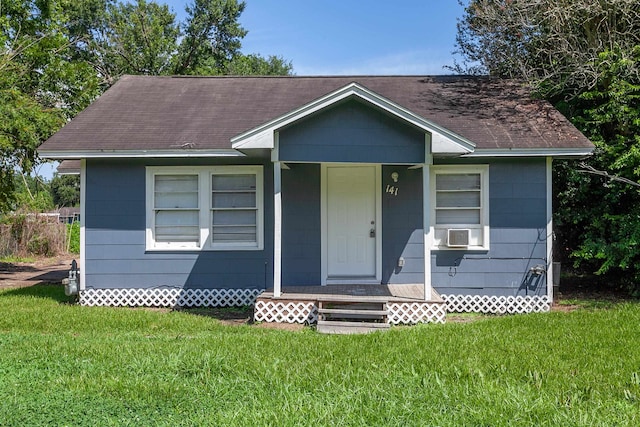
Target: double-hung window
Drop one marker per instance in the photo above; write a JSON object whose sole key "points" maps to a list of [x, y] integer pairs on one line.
{"points": [[205, 208], [234, 209], [176, 210], [460, 200]]}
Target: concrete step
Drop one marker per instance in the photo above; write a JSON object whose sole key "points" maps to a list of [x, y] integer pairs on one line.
{"points": [[342, 327]]}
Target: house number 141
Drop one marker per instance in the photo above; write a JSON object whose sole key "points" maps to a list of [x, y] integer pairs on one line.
{"points": [[392, 189]]}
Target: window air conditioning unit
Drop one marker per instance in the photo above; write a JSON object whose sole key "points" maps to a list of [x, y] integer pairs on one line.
{"points": [[458, 237]]}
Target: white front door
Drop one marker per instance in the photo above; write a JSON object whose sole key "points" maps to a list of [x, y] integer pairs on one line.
{"points": [[351, 224]]}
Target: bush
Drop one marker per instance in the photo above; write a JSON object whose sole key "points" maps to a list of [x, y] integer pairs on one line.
{"points": [[29, 233]]}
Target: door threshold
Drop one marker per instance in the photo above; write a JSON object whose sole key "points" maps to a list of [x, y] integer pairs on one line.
{"points": [[353, 281]]}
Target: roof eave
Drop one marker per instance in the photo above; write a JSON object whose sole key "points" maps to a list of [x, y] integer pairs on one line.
{"points": [[532, 152], [99, 154]]}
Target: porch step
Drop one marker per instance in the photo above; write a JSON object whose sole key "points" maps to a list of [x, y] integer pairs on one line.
{"points": [[351, 317], [343, 327], [346, 311]]}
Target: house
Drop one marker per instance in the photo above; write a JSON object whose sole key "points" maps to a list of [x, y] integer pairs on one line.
{"points": [[212, 191]]}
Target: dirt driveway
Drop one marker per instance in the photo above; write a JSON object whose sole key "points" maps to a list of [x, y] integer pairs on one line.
{"points": [[20, 274]]}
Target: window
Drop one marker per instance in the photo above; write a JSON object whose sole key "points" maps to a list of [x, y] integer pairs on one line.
{"points": [[204, 208], [176, 209], [460, 207], [234, 209]]}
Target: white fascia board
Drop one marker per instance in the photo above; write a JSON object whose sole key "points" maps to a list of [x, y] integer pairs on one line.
{"points": [[531, 152], [262, 136], [97, 154], [441, 144]]}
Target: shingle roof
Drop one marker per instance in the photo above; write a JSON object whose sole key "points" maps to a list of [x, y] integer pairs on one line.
{"points": [[164, 113], [69, 167]]}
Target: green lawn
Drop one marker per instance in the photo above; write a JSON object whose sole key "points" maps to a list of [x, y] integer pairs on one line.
{"points": [[62, 364]]}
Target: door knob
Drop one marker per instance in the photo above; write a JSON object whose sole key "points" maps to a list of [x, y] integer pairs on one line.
{"points": [[372, 232]]}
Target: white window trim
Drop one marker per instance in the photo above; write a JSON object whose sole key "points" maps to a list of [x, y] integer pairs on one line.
{"points": [[204, 203], [483, 170]]}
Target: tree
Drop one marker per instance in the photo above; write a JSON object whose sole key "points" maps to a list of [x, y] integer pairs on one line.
{"points": [[583, 56], [143, 37], [212, 36], [56, 56], [555, 45], [252, 64], [32, 193], [65, 190], [39, 86]]}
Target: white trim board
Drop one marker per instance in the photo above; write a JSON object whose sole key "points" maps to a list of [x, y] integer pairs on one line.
{"points": [[83, 220], [426, 216], [530, 152], [442, 139], [549, 240]]}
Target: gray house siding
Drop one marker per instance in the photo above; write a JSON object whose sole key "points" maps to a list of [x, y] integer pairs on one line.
{"points": [[352, 132], [301, 228], [518, 229], [115, 255], [402, 230], [115, 222]]}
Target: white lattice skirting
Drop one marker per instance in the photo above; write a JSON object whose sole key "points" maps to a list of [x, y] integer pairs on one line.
{"points": [[169, 297], [495, 304], [307, 312], [410, 313], [286, 312]]}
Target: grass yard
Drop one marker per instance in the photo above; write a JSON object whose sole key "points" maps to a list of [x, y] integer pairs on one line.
{"points": [[62, 364]]}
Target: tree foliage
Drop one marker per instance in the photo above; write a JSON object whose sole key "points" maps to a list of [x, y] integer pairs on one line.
{"points": [[39, 86], [143, 37], [32, 194], [56, 56], [65, 190], [555, 44], [583, 56]]}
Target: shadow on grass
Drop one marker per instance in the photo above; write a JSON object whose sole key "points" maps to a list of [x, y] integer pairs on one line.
{"points": [[10, 267], [54, 291], [235, 315]]}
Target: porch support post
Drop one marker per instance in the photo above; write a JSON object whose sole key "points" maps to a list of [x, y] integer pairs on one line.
{"points": [[549, 230], [426, 214], [277, 216], [83, 222]]}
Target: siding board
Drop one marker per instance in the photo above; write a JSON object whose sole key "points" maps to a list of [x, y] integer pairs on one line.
{"points": [[301, 228], [115, 235], [517, 212], [402, 228], [352, 132]]}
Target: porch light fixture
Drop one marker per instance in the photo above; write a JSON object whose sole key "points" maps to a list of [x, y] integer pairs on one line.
{"points": [[394, 176]]}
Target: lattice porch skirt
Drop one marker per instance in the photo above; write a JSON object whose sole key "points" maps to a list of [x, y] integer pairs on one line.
{"points": [[270, 310]]}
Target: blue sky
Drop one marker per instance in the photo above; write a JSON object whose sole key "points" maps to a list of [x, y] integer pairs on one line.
{"points": [[339, 37]]}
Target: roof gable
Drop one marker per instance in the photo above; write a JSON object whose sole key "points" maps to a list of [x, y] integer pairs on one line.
{"points": [[263, 136]]}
